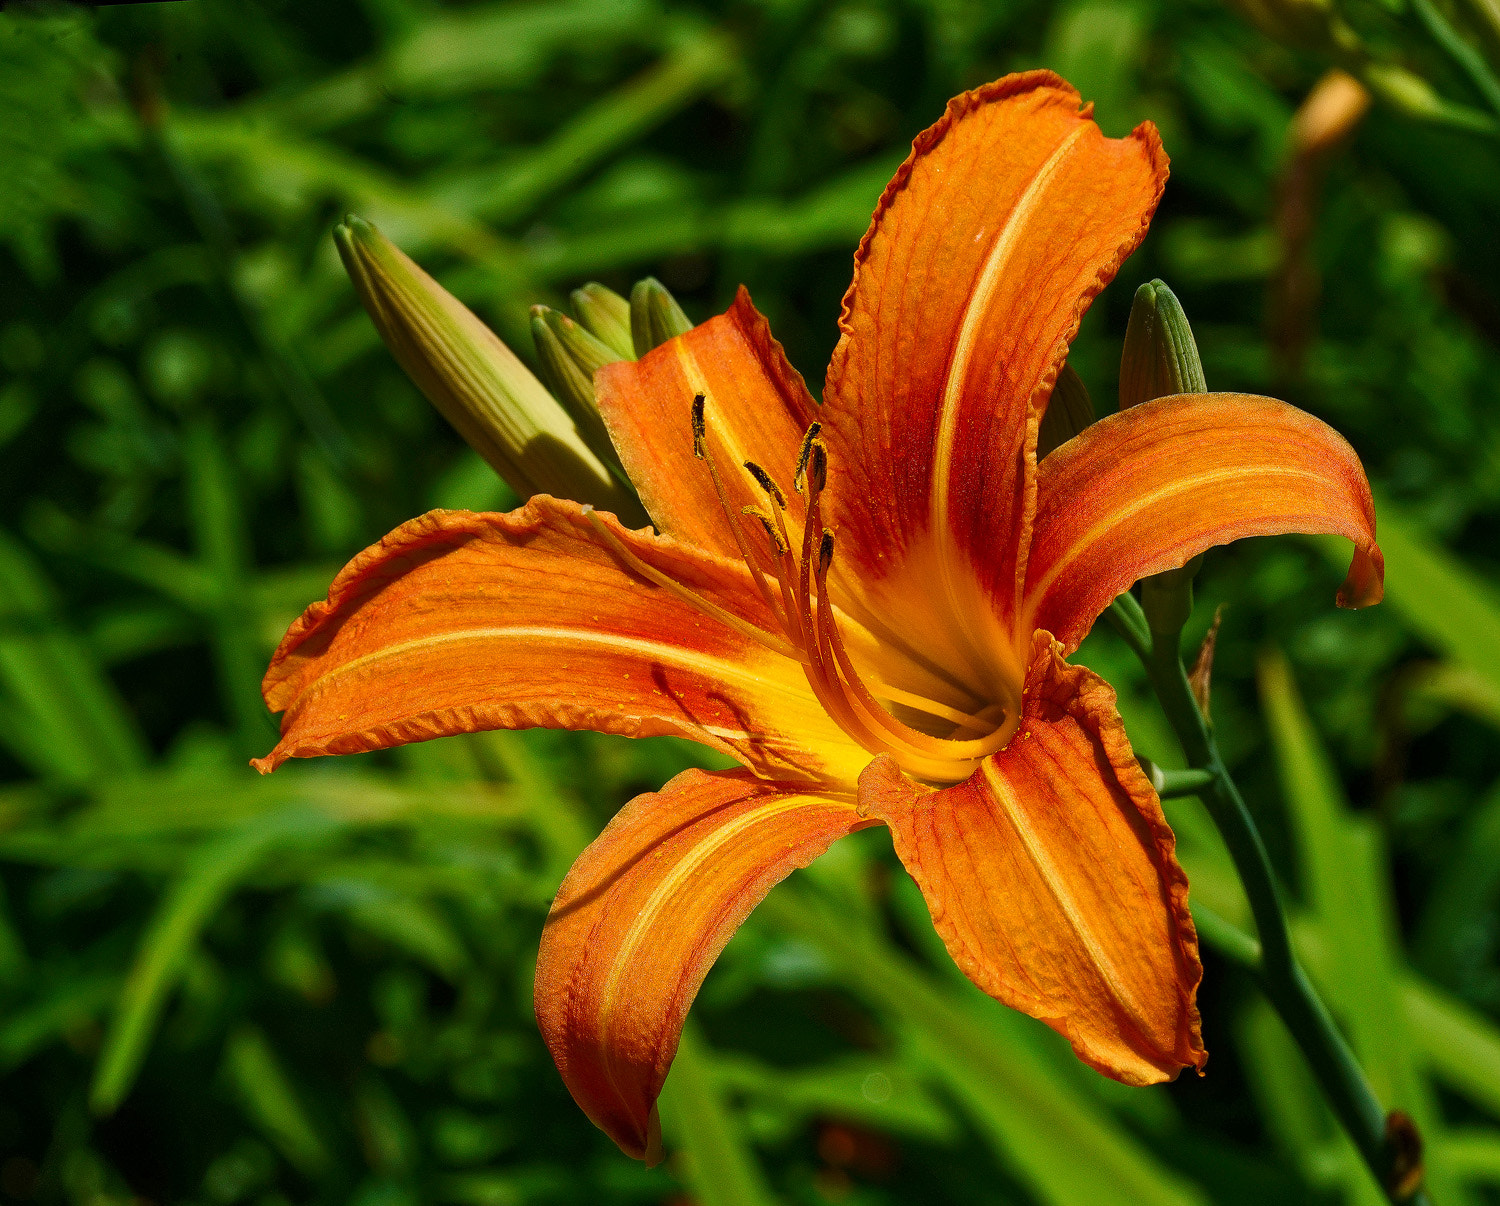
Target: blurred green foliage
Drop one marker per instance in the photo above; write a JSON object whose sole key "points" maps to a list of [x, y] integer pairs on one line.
{"points": [[316, 987]]}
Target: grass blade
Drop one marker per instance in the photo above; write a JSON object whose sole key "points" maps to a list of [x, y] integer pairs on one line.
{"points": [[720, 1168], [1029, 1114], [272, 1102], [189, 905]]}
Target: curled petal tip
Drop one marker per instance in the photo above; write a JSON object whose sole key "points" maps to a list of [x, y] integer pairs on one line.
{"points": [[641, 916], [1365, 585], [651, 1153]]}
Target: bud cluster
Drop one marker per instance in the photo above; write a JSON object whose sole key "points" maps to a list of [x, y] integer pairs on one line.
{"points": [[542, 436]]}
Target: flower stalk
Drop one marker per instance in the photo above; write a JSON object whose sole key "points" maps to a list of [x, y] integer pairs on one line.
{"points": [[1277, 968], [1161, 358]]}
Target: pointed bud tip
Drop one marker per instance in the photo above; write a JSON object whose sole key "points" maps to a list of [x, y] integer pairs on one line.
{"points": [[474, 380], [1160, 356], [554, 322], [352, 226], [655, 316], [605, 315]]}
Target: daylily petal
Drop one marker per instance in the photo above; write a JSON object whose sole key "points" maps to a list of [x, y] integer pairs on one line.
{"points": [[457, 622], [641, 917], [757, 409], [1009, 216], [1150, 488], [1052, 879]]}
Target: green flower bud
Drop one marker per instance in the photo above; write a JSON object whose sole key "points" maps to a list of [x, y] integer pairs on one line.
{"points": [[569, 357], [1160, 359], [655, 316], [606, 316], [1069, 411], [1161, 356], [474, 380]]}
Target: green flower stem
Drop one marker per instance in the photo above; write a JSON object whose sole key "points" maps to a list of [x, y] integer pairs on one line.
{"points": [[1281, 976]]}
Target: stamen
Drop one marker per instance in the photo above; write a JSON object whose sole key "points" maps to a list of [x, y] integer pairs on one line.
{"points": [[799, 479], [983, 722], [767, 483], [820, 676], [666, 582], [816, 469], [808, 619], [786, 566], [782, 542], [778, 542], [700, 450], [700, 427]]}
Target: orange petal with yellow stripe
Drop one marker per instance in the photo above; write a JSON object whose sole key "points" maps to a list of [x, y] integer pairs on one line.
{"points": [[985, 250], [1150, 488], [457, 622], [641, 917], [756, 408], [1052, 878]]}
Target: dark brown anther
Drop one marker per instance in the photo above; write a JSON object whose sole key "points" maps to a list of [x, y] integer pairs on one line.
{"points": [[772, 532], [799, 480], [825, 552], [817, 466], [700, 428], [766, 483]]}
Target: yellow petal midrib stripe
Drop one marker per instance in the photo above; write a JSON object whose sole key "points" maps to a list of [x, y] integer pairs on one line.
{"points": [[975, 310], [1005, 796], [717, 668], [1078, 546], [657, 901]]}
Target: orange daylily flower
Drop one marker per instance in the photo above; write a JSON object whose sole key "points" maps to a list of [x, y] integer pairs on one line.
{"points": [[868, 603]]}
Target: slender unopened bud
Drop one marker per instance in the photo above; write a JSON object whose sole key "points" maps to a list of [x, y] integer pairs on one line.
{"points": [[568, 357], [1069, 411], [655, 316], [606, 316], [478, 384], [1161, 356], [1160, 359]]}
